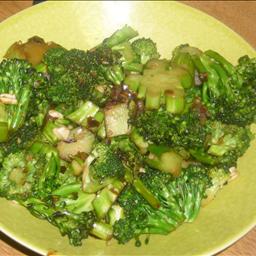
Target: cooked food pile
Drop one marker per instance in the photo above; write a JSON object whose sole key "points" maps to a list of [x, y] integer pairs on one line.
{"points": [[117, 142]]}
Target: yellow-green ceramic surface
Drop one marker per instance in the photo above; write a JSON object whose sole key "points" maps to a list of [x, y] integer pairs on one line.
{"points": [[85, 24]]}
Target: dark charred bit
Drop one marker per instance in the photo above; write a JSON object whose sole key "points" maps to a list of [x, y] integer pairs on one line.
{"points": [[108, 141], [91, 122], [70, 140], [169, 92], [203, 76], [200, 109], [82, 155], [114, 191], [63, 169], [140, 106], [93, 73], [120, 94]]}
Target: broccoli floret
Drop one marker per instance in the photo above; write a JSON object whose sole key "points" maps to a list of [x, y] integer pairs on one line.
{"points": [[106, 163], [141, 218], [22, 139], [162, 127], [225, 144], [180, 200], [127, 151], [24, 174], [129, 59], [229, 92], [146, 49], [77, 75], [246, 68], [18, 80], [76, 226]]}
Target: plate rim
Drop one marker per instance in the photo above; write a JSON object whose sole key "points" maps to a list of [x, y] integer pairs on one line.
{"points": [[217, 249]]}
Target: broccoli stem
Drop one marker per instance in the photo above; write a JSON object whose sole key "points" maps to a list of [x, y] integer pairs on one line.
{"points": [[114, 74], [48, 132], [3, 124], [106, 198], [184, 60], [3, 131], [202, 157], [139, 141], [19, 115], [132, 67], [174, 104], [133, 81], [152, 101], [213, 79], [224, 79], [102, 230], [115, 213], [140, 188], [67, 189], [121, 35], [82, 204], [79, 116], [217, 57], [198, 64], [217, 150]]}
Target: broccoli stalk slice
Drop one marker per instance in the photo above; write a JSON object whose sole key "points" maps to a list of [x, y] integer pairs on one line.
{"points": [[132, 67], [133, 81], [115, 213], [106, 198], [168, 161], [139, 141], [3, 131], [121, 35], [174, 103], [158, 83], [79, 116], [102, 130], [149, 197], [184, 60], [102, 231], [217, 150], [3, 124]]}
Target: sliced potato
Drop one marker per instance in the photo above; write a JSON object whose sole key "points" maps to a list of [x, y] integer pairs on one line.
{"points": [[116, 120], [81, 143]]}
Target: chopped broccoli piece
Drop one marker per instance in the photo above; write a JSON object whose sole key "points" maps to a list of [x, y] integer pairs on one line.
{"points": [[146, 49]]}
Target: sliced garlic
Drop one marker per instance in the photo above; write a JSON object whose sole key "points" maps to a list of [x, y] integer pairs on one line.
{"points": [[55, 114], [233, 173], [6, 98], [62, 132]]}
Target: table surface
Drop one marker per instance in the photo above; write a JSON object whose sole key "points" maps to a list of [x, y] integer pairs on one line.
{"points": [[238, 15]]}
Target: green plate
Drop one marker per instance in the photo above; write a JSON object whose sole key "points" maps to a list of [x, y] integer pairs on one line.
{"points": [[85, 24]]}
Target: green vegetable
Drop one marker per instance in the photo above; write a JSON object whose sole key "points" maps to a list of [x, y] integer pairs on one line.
{"points": [[114, 142]]}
